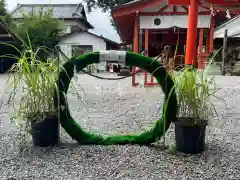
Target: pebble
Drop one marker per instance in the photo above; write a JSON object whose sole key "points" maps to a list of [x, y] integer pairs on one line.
{"points": [[103, 109]]}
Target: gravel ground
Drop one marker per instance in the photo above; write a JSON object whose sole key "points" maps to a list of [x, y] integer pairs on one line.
{"points": [[115, 107]]}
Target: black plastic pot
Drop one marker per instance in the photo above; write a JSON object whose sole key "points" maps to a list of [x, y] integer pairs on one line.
{"points": [[190, 138], [46, 132]]}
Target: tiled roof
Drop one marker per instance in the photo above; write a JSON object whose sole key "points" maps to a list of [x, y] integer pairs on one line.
{"points": [[93, 34], [129, 3], [60, 11], [228, 21], [233, 28], [133, 1]]}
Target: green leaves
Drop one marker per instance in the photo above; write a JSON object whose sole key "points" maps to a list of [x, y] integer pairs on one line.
{"points": [[30, 90], [41, 28], [105, 5], [4, 16], [194, 91], [35, 81]]}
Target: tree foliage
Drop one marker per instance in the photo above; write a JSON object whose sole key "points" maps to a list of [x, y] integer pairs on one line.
{"points": [[38, 29], [3, 11], [4, 16], [105, 5]]}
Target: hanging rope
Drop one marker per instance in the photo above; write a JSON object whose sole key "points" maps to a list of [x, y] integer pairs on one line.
{"points": [[104, 78]]}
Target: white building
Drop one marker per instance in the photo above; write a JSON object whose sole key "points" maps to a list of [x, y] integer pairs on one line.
{"points": [[233, 27], [76, 35]]}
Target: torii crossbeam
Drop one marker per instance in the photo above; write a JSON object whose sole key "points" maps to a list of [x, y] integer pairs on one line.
{"points": [[233, 5], [137, 16]]}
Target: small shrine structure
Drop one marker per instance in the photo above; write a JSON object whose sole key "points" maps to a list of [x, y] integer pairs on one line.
{"points": [[187, 26]]}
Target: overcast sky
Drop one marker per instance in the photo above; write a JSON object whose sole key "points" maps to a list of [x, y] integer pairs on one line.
{"points": [[98, 19]]}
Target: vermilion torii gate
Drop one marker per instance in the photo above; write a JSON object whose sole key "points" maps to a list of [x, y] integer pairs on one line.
{"points": [[222, 5], [188, 14]]}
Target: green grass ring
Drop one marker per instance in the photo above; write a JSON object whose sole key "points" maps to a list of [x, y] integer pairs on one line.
{"points": [[132, 59]]}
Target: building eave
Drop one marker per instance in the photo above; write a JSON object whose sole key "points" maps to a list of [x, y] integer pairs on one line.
{"points": [[100, 37], [127, 4], [228, 22]]}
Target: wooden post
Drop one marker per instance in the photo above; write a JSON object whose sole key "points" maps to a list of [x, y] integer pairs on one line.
{"points": [[211, 35], [224, 51], [135, 47], [140, 40], [200, 49], [135, 36], [192, 32], [207, 43], [146, 42], [146, 46], [195, 60], [167, 53]]}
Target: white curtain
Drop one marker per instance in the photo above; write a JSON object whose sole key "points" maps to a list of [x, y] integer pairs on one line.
{"points": [[147, 22]]}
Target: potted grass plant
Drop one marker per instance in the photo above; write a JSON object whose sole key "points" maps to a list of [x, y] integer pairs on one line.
{"points": [[195, 92], [31, 87]]}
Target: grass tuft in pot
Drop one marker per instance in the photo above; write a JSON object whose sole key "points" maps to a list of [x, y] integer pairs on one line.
{"points": [[195, 92], [32, 85]]}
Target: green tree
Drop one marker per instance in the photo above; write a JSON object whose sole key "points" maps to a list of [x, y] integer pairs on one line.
{"points": [[4, 16], [38, 30], [105, 5]]}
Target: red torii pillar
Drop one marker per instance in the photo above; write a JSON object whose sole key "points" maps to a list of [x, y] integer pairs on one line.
{"points": [[192, 33], [135, 47]]}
